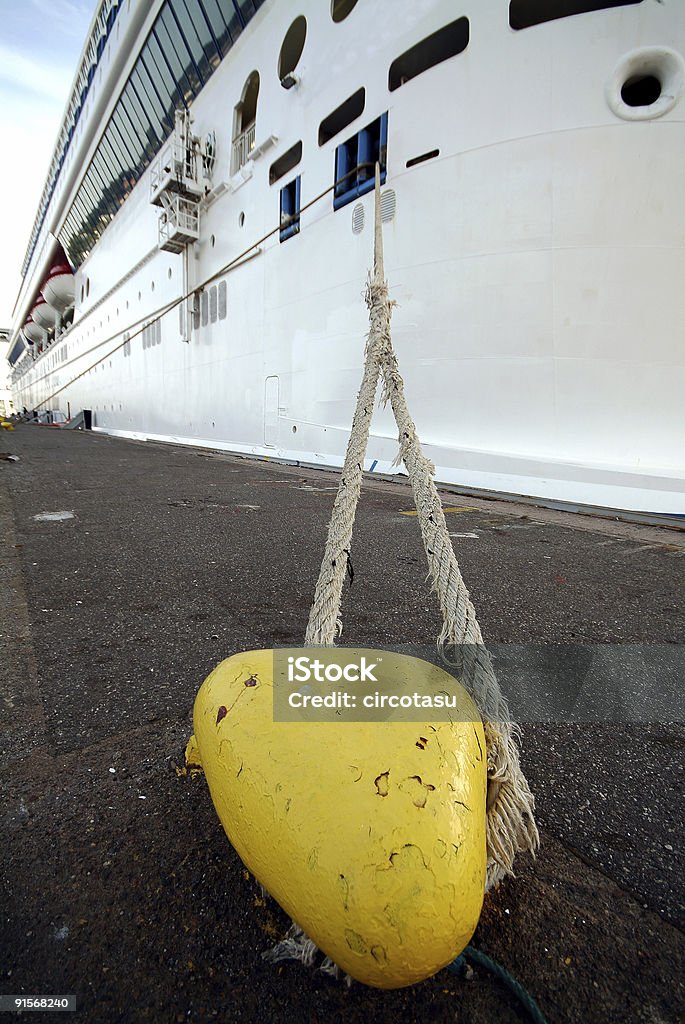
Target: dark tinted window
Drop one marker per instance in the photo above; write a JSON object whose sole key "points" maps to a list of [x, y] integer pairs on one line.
{"points": [[434, 49], [524, 13], [181, 51], [285, 163], [343, 115]]}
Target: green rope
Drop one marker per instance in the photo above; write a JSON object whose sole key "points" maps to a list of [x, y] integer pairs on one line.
{"points": [[475, 956]]}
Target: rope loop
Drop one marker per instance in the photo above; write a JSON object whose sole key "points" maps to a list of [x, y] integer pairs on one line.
{"points": [[510, 824]]}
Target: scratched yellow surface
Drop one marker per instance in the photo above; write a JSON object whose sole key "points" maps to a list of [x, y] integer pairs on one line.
{"points": [[370, 838]]}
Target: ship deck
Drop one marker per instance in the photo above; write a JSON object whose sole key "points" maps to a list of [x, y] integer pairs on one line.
{"points": [[120, 886]]}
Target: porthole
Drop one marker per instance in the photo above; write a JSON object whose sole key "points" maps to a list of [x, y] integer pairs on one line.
{"points": [[341, 8], [291, 51], [646, 83], [152, 286], [212, 241], [241, 219], [641, 91], [168, 273], [140, 295], [87, 287]]}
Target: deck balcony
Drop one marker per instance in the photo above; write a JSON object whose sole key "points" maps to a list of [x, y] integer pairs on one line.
{"points": [[242, 148]]}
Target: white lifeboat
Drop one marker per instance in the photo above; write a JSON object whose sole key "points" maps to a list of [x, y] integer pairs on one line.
{"points": [[33, 332], [43, 315], [58, 289]]}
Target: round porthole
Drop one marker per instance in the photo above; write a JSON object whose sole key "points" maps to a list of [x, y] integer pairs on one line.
{"points": [[646, 83], [291, 51], [241, 219]]}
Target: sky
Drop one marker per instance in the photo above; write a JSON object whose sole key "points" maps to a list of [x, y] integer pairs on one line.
{"points": [[40, 43]]}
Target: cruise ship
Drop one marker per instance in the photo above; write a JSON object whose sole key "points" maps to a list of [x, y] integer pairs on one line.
{"points": [[196, 269]]}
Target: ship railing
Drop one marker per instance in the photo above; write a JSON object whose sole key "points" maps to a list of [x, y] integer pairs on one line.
{"points": [[243, 145], [176, 170], [179, 223]]}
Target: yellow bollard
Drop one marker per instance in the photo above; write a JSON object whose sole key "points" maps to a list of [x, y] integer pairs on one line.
{"points": [[370, 835]]}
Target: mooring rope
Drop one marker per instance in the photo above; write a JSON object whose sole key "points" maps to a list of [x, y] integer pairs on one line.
{"points": [[325, 622], [510, 824]]}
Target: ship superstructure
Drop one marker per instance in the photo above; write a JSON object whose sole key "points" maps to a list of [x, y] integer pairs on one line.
{"points": [[197, 265]]}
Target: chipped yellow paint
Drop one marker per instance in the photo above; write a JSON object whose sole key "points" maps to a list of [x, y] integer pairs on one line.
{"points": [[193, 761], [445, 508], [382, 866]]}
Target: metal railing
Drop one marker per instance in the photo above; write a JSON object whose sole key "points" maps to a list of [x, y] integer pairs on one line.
{"points": [[176, 166], [243, 145], [179, 222]]}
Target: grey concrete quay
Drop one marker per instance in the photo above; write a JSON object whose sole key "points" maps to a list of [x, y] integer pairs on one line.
{"points": [[118, 883]]}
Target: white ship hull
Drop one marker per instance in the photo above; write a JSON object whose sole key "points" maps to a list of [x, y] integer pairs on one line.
{"points": [[537, 263]]}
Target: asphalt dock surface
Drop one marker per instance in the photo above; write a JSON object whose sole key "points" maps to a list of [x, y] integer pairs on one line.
{"points": [[117, 882]]}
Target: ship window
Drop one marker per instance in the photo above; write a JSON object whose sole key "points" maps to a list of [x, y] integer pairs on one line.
{"points": [[525, 13], [149, 125], [112, 152], [195, 28], [341, 8], [291, 50], [150, 99], [434, 49], [244, 118], [225, 32], [223, 303], [355, 162], [177, 54], [184, 46], [212, 304], [205, 308], [422, 158], [343, 115], [290, 209], [195, 311], [188, 31], [161, 78], [131, 144], [285, 163], [131, 139]]}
